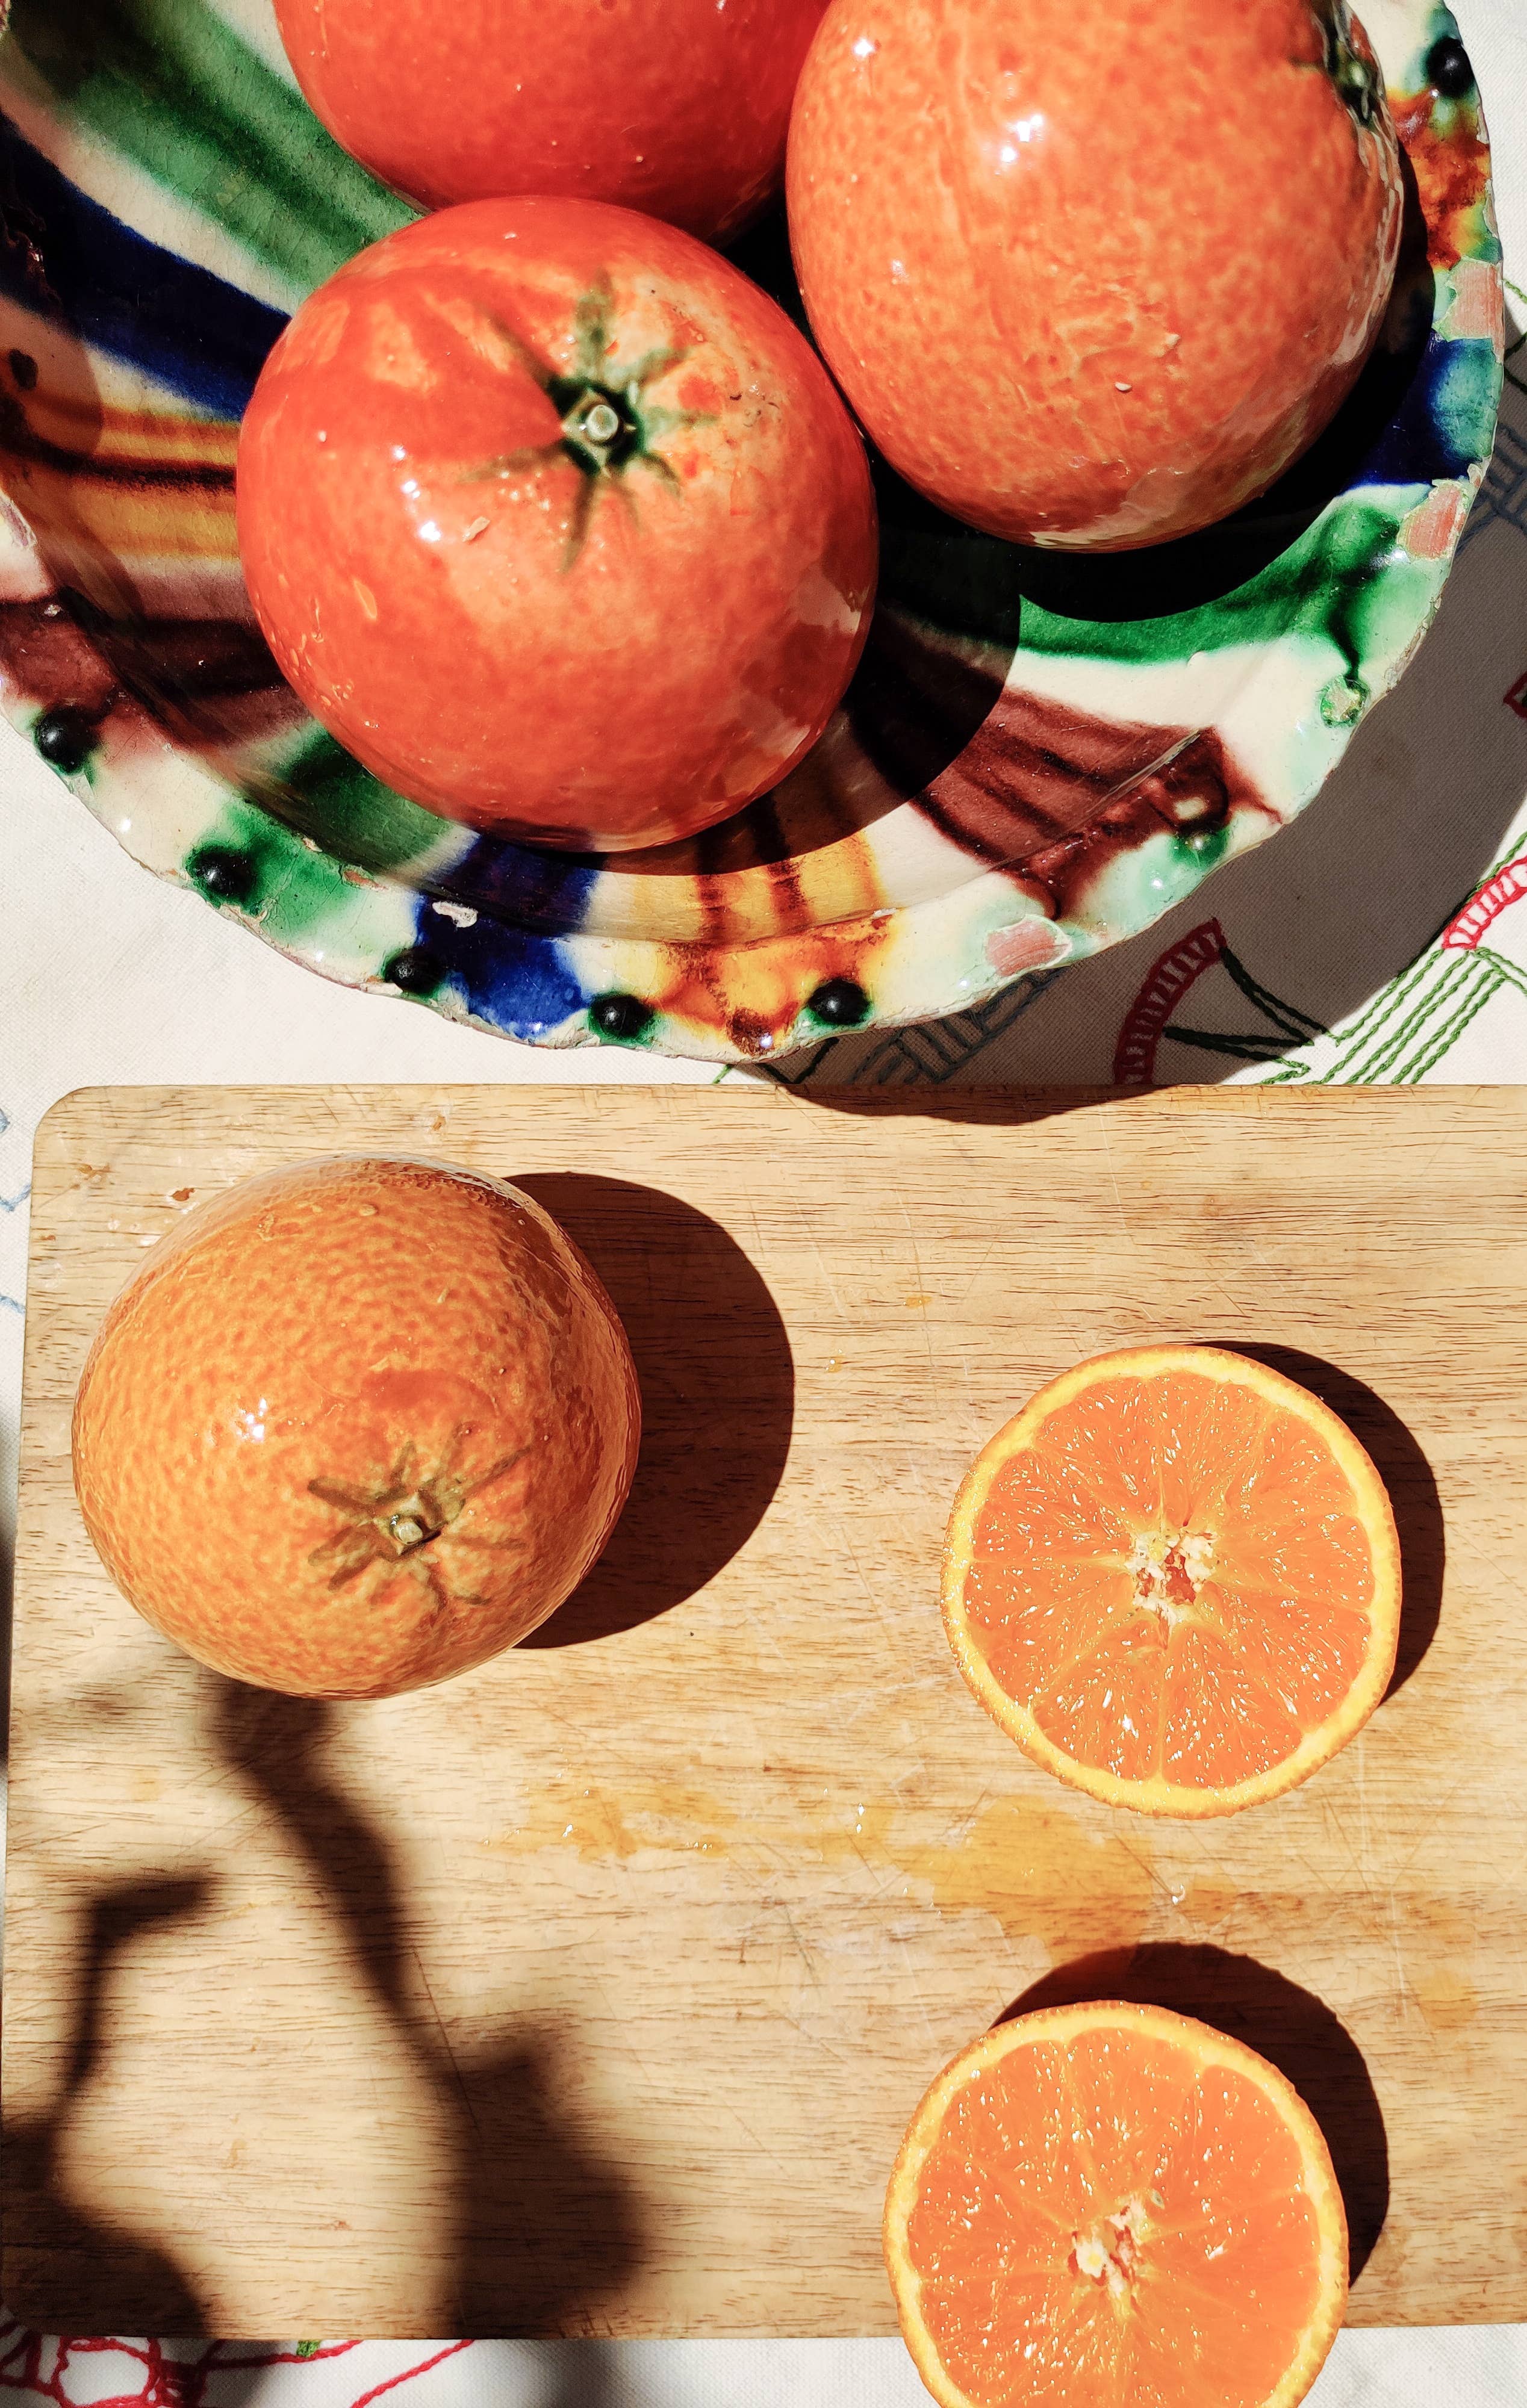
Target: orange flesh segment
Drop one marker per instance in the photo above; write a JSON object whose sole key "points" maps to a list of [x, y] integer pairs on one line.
{"points": [[1173, 1579], [1049, 2158]]}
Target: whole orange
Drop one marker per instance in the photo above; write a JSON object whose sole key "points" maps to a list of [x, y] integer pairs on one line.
{"points": [[557, 523], [675, 106], [356, 1425], [1093, 273]]}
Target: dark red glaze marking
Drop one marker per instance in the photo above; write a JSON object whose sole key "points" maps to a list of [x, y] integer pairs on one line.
{"points": [[205, 683], [1053, 795], [1166, 983]]}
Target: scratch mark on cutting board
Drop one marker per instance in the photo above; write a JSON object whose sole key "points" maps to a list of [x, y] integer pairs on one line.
{"points": [[759, 1248], [923, 1288], [971, 1283], [837, 1305], [758, 1622], [1278, 1278], [620, 2021], [918, 2000], [806, 1956], [1437, 1815], [578, 1731], [963, 1825], [859, 1572], [1113, 1180], [445, 2041], [815, 2039], [760, 2143], [1365, 1841]]}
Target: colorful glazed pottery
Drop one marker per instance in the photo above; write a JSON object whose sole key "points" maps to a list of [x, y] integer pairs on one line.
{"points": [[1038, 756]]}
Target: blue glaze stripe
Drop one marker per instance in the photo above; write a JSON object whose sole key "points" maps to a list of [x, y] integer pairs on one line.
{"points": [[71, 262]]}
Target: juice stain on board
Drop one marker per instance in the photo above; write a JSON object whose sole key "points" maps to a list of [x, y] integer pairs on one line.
{"points": [[1035, 1867]]}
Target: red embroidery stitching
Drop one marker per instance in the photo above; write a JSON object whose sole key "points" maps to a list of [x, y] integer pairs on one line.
{"points": [[1464, 933], [169, 2382]]}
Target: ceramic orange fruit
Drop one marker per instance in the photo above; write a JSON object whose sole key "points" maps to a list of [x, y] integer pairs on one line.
{"points": [[675, 106], [1174, 1579], [355, 1425], [557, 523], [1113, 2206], [1093, 275]]}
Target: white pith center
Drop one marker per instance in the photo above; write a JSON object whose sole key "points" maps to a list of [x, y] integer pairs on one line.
{"points": [[1108, 2252], [1168, 1571]]}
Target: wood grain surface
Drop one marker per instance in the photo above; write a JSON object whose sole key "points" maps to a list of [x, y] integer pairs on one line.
{"points": [[591, 1993]]}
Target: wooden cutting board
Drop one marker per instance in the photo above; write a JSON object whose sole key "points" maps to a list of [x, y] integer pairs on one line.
{"points": [[591, 1993]]}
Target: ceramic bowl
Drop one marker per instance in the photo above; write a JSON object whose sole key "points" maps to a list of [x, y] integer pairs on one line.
{"points": [[1038, 757]]}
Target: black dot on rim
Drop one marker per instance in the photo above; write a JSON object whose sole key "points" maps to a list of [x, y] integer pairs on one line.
{"points": [[414, 971], [66, 737], [24, 368], [228, 876], [839, 1003], [1447, 69], [623, 1017]]}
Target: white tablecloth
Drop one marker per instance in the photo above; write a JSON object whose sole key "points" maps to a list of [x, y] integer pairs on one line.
{"points": [[1338, 927]]}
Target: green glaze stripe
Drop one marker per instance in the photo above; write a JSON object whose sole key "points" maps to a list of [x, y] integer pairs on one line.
{"points": [[1321, 586], [168, 84], [323, 793], [294, 893], [1343, 579]]}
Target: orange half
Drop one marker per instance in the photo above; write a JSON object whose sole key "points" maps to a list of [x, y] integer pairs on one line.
{"points": [[1174, 1579], [1114, 2206]]}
